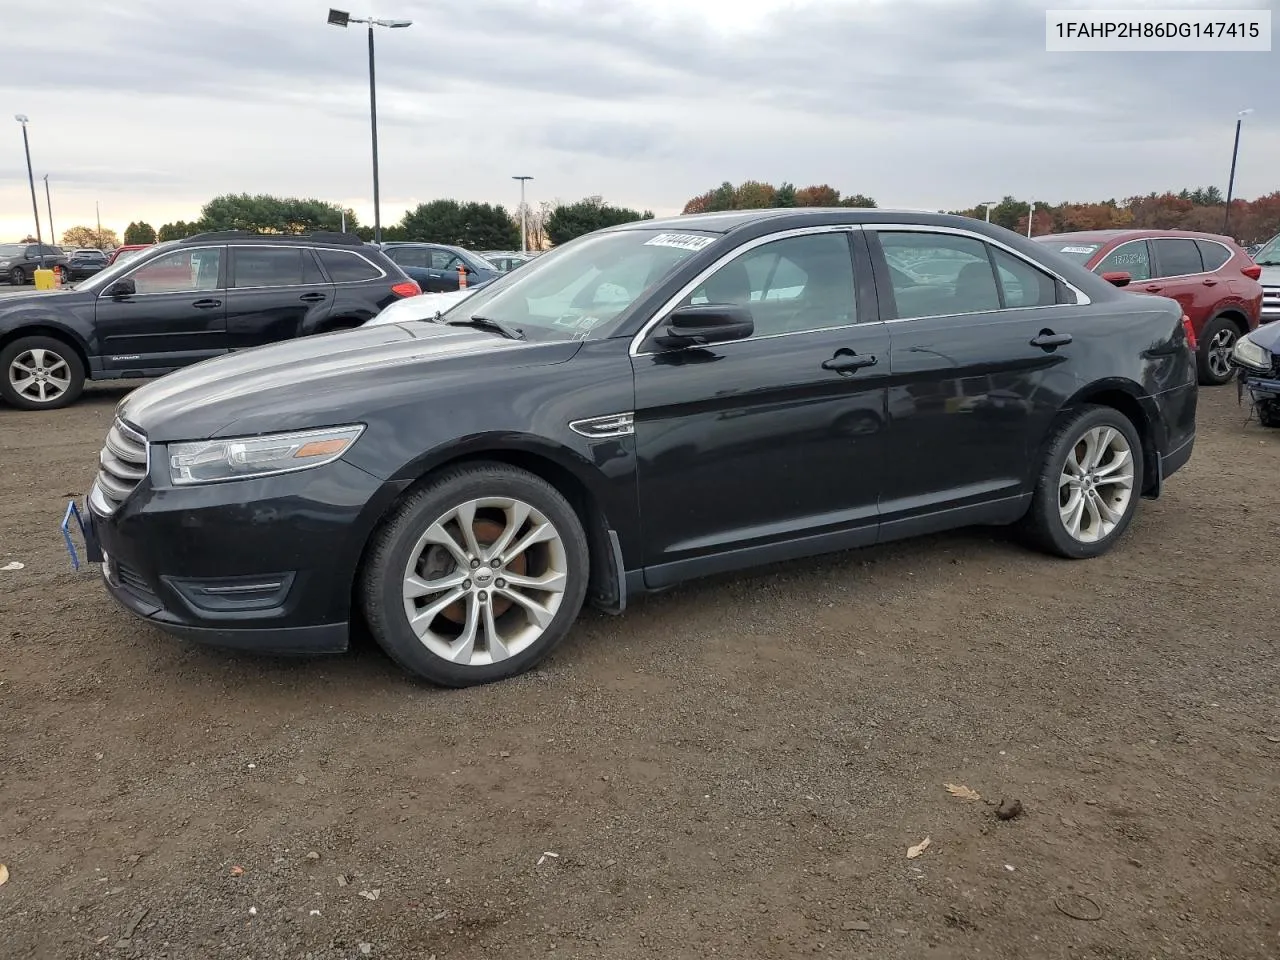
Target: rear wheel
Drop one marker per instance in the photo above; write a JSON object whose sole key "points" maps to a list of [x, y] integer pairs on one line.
{"points": [[1089, 485], [40, 373], [1217, 340], [16, 277], [1269, 413], [477, 576]]}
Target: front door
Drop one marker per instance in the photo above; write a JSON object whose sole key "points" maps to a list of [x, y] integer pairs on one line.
{"points": [[176, 316], [769, 447], [275, 293], [980, 364]]}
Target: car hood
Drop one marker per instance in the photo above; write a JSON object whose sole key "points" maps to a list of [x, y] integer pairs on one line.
{"points": [[1267, 336], [324, 380], [422, 307], [28, 303]]}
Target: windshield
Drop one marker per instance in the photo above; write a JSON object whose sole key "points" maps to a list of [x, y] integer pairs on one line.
{"points": [[1269, 255], [1079, 252], [123, 263], [579, 288]]}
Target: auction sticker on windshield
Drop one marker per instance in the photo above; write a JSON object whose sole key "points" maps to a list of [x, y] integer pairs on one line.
{"points": [[1078, 249], [682, 241]]}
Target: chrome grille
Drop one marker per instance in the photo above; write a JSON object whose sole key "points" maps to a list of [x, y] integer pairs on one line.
{"points": [[122, 464], [1271, 303]]}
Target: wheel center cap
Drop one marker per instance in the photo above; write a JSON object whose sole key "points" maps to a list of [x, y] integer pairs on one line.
{"points": [[483, 576]]}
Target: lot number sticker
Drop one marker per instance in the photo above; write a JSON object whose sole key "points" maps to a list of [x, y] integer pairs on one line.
{"points": [[1078, 249], [682, 241]]}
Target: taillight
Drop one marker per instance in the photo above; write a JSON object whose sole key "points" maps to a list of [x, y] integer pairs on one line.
{"points": [[1252, 271], [407, 288], [1190, 331]]}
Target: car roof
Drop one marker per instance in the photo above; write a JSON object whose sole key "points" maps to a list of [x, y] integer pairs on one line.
{"points": [[320, 238], [1106, 236], [729, 220]]}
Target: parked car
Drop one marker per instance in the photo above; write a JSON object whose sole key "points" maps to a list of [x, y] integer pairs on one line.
{"points": [[1268, 259], [20, 261], [505, 260], [1258, 358], [435, 266], [127, 250], [1252, 249], [85, 263], [180, 302], [1213, 279], [582, 429]]}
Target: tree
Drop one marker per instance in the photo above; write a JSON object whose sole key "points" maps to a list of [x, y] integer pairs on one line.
{"points": [[754, 194], [857, 200], [263, 213], [178, 230], [476, 226], [819, 195], [81, 238], [786, 195], [139, 231], [592, 213], [29, 239]]}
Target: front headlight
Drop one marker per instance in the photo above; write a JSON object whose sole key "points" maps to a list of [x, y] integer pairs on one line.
{"points": [[1249, 354], [239, 458]]}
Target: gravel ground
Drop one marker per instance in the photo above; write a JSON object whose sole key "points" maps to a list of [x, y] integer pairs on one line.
{"points": [[736, 768]]}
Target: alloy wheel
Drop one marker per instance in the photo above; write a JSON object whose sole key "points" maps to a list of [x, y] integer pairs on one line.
{"points": [[1218, 355], [1096, 486], [39, 375], [484, 581], [16, 277]]}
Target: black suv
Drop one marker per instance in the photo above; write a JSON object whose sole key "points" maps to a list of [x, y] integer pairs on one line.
{"points": [[20, 261], [646, 404], [181, 302]]}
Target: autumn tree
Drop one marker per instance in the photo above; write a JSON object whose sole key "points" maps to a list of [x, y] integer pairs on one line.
{"points": [[820, 195], [754, 195], [139, 231], [84, 238]]}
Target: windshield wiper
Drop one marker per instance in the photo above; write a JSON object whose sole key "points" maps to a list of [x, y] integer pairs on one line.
{"points": [[484, 323]]}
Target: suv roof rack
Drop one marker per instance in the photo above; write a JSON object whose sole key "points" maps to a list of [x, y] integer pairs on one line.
{"points": [[318, 236]]}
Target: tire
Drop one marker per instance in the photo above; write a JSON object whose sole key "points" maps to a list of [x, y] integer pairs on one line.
{"points": [[408, 555], [16, 277], [1216, 341], [34, 366], [1269, 413], [1054, 501]]}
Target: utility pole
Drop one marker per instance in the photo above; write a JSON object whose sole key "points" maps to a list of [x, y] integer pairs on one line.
{"points": [[53, 237], [98, 213], [524, 216]]}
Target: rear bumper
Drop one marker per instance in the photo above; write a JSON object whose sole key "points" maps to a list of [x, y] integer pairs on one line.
{"points": [[1174, 460]]}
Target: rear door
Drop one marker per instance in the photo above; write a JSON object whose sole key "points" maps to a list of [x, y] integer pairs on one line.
{"points": [[1178, 272], [275, 293], [177, 316]]}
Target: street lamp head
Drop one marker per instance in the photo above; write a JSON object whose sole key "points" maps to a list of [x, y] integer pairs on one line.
{"points": [[339, 18], [1245, 113], [21, 118], [522, 178], [394, 24]]}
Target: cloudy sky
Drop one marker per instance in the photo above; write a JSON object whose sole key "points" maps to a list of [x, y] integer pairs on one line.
{"points": [[154, 106]]}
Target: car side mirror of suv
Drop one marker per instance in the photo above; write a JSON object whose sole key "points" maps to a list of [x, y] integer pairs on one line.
{"points": [[122, 288], [1119, 278], [697, 325]]}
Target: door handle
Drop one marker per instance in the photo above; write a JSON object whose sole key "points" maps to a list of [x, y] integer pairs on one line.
{"points": [[1049, 340], [846, 361], [312, 297], [1210, 282], [1153, 288], [206, 304]]}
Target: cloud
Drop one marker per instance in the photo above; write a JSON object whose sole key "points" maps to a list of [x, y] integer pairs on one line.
{"points": [[920, 103]]}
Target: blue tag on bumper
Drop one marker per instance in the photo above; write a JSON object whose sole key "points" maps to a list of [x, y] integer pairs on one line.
{"points": [[92, 551]]}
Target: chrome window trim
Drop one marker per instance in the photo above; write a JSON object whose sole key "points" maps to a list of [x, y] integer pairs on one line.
{"points": [[664, 311], [382, 274], [1186, 276]]}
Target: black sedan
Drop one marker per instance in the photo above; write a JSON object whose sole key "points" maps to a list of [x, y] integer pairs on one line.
{"points": [[644, 405], [85, 263], [439, 268]]}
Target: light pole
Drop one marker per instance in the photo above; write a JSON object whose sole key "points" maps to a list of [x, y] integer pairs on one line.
{"points": [[53, 237], [340, 18], [31, 179], [1231, 183], [1031, 215], [989, 204], [524, 216], [97, 210]]}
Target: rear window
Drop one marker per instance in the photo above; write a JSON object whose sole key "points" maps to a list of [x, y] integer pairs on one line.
{"points": [[1177, 257], [1079, 252], [347, 267]]}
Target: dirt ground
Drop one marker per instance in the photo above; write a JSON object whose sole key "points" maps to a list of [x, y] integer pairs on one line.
{"points": [[734, 769]]}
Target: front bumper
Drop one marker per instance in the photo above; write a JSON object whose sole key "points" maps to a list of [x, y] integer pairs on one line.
{"points": [[266, 565]]}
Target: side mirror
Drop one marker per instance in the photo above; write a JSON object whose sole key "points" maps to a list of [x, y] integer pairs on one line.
{"points": [[706, 323], [1119, 278], [122, 288]]}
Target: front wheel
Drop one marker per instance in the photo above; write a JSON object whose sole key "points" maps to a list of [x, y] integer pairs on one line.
{"points": [[1089, 485], [1217, 340], [40, 373], [16, 277], [476, 576]]}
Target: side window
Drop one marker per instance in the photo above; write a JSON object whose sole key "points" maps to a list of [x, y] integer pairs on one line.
{"points": [[1177, 258], [265, 267], [1022, 284], [1213, 254], [310, 269], [410, 256], [346, 267], [183, 271], [939, 274], [32, 252], [442, 260], [1132, 258], [792, 285]]}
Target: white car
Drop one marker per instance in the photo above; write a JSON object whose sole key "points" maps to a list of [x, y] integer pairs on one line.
{"points": [[422, 307]]}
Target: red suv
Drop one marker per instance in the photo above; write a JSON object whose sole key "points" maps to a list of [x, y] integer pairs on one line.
{"points": [[1211, 276]]}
